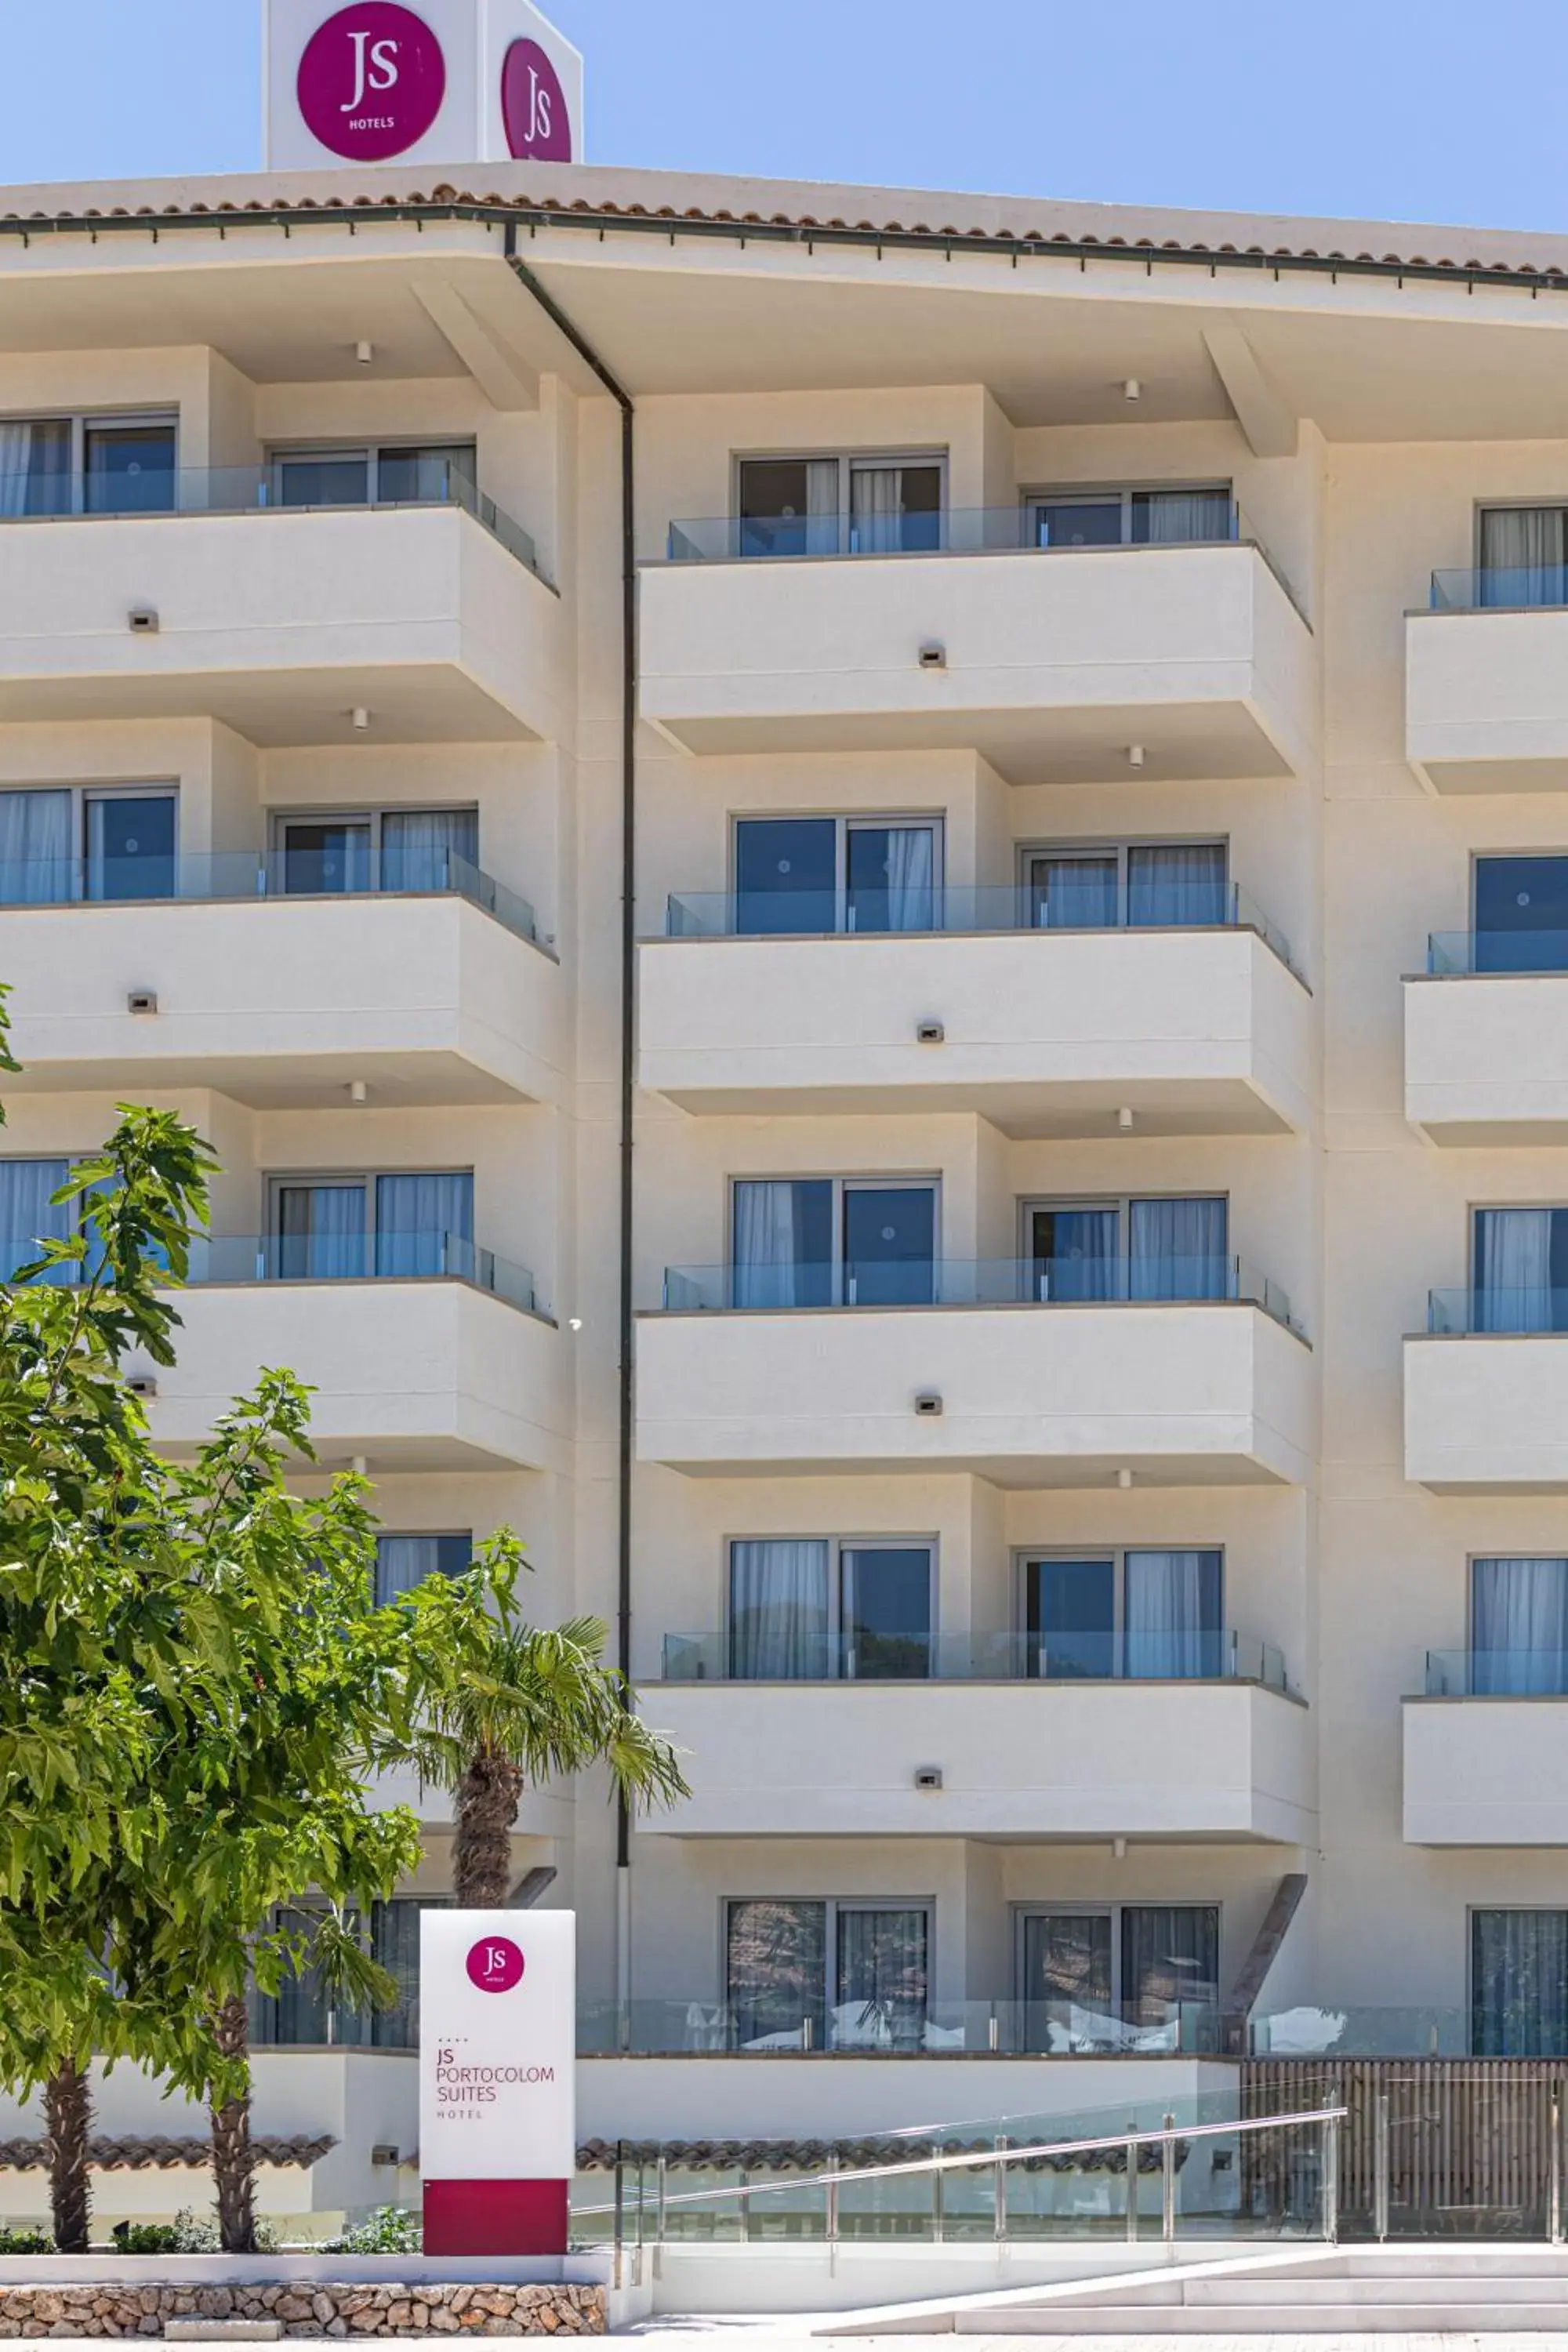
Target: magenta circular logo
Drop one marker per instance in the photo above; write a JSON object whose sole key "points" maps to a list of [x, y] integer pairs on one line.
{"points": [[495, 1964], [372, 80], [533, 106]]}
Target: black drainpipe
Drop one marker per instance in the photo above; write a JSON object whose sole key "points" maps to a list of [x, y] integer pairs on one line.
{"points": [[628, 994]]}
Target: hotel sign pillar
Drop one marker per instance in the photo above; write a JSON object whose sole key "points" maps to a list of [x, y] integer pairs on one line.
{"points": [[498, 2121]]}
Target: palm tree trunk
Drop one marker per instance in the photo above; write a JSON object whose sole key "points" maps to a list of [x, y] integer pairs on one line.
{"points": [[68, 2114], [234, 2159], [488, 1798]]}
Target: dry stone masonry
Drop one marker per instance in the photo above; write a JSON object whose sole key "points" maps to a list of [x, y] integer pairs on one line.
{"points": [[307, 2309]]}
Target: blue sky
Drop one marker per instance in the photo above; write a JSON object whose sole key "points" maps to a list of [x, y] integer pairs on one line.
{"points": [[1396, 108]]}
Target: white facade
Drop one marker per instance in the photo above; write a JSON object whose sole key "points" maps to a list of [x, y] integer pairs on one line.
{"points": [[1101, 1279]]}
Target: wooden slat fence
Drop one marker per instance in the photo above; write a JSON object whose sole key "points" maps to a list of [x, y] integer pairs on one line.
{"points": [[1468, 2138]]}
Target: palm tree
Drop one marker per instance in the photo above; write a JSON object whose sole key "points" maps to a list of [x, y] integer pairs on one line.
{"points": [[535, 1707], [68, 2125]]}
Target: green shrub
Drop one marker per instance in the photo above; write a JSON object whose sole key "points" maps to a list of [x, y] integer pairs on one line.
{"points": [[391, 2230], [25, 2241], [184, 2235]]}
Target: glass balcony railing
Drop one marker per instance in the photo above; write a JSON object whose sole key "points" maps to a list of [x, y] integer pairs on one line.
{"points": [[395, 1256], [972, 1282], [956, 530], [1458, 954], [776, 1653], [1500, 587], [279, 487], [975, 907], [1497, 1673], [1498, 1309], [239, 874], [898, 2025]]}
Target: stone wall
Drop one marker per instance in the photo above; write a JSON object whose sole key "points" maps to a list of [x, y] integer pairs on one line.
{"points": [[307, 2309]]}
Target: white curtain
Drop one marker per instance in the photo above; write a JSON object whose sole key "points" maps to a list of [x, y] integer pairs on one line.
{"points": [[425, 1224], [822, 518], [1172, 1609], [34, 847], [911, 873], [403, 1563], [768, 1269], [1518, 1977], [1177, 882], [16, 467], [1523, 554], [1178, 517], [1086, 1263], [779, 1611], [877, 510], [419, 846], [27, 1219], [1514, 1270], [1179, 1249], [1075, 894], [1519, 1626], [321, 1232]]}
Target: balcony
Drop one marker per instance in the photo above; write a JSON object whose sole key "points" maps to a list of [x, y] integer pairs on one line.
{"points": [[448, 1366], [281, 621], [1486, 1751], [1485, 1039], [282, 1000], [1189, 1736], [1486, 682], [1203, 1383], [1059, 665], [1198, 1031], [1486, 1393]]}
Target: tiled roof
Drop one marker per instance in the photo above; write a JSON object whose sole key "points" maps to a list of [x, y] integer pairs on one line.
{"points": [[801, 227], [152, 2155], [786, 2156]]}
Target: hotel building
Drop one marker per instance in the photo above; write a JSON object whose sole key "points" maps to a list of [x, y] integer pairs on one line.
{"points": [[868, 894]]}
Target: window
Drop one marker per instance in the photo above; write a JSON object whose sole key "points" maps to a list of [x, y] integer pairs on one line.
{"points": [[835, 874], [1079, 1251], [303, 2015], [1519, 1627], [375, 474], [1155, 1615], [1523, 554], [1120, 1977], [1521, 914], [87, 464], [405, 1562], [342, 1228], [1519, 1269], [1093, 887], [828, 1975], [824, 1241], [28, 1214], [377, 849], [869, 505], [1519, 1984], [112, 841], [811, 1609], [1129, 517]]}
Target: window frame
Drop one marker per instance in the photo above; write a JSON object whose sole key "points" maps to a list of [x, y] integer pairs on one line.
{"points": [[1480, 508], [277, 454], [276, 1181], [1120, 849], [844, 823], [83, 421], [418, 1535], [1113, 1909], [854, 1182], [82, 795], [833, 1906], [1100, 494], [280, 818], [848, 460], [1123, 1204], [1026, 1555], [1472, 1911], [838, 1546]]}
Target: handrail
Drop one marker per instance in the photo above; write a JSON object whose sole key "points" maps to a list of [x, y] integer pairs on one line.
{"points": [[976, 2160]]}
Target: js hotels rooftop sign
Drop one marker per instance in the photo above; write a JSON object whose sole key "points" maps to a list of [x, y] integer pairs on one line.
{"points": [[434, 81], [498, 2122]]}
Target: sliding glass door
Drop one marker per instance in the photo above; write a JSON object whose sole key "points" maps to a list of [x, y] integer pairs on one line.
{"points": [[1523, 556], [1131, 517], [1151, 1249], [1143, 884], [1518, 1628], [1093, 1978], [826, 1975], [824, 1241], [1146, 1614], [824, 874], [812, 1610], [1519, 1269], [1521, 914]]}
